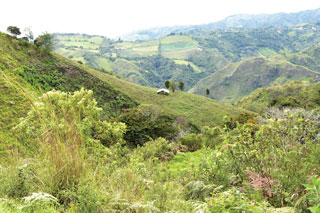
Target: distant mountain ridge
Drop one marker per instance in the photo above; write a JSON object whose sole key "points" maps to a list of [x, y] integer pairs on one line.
{"points": [[234, 21]]}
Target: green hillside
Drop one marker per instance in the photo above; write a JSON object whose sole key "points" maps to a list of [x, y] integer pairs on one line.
{"points": [[197, 109], [24, 65], [146, 63], [24, 68], [77, 136], [238, 80], [191, 56], [294, 94]]}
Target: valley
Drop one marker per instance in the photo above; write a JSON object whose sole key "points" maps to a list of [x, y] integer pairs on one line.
{"points": [[84, 127]]}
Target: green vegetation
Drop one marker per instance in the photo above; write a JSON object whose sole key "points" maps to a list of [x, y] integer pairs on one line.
{"points": [[24, 64], [13, 30], [294, 94], [196, 109], [65, 166], [238, 80], [78, 139], [139, 62], [198, 54]]}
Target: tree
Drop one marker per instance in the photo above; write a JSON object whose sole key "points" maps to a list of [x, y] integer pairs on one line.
{"points": [[167, 84], [146, 122], [28, 34], [46, 41], [173, 86], [207, 92], [181, 85], [15, 31]]}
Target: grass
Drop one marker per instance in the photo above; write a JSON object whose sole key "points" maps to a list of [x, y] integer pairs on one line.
{"points": [[185, 162], [295, 94], [195, 67], [238, 80], [197, 109], [180, 54], [23, 66], [266, 51]]}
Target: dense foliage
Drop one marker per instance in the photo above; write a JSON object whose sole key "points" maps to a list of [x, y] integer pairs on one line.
{"points": [[294, 94], [72, 149], [71, 160], [145, 123]]}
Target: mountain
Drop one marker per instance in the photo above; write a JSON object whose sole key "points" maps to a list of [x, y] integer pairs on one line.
{"points": [[188, 58], [238, 80], [234, 21], [146, 63]]}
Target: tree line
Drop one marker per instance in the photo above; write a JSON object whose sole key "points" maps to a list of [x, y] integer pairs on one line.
{"points": [[44, 40]]}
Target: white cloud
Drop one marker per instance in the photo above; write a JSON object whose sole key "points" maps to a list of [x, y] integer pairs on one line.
{"points": [[116, 17]]}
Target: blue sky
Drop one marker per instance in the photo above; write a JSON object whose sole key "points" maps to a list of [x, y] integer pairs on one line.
{"points": [[117, 17]]}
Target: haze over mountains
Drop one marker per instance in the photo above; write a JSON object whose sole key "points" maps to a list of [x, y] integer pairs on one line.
{"points": [[234, 21]]}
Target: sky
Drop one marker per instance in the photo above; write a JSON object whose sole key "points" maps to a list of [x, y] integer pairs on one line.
{"points": [[113, 18]]}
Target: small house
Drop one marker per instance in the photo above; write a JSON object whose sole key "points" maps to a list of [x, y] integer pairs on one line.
{"points": [[163, 92]]}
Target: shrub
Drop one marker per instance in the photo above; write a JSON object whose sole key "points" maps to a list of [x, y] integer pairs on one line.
{"points": [[159, 149], [282, 151], [234, 201], [197, 190], [192, 141], [314, 196], [62, 126], [60, 111], [146, 122]]}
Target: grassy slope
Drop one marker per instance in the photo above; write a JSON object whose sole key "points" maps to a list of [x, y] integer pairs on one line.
{"points": [[24, 67], [175, 47], [56, 72], [199, 110], [296, 94], [240, 79]]}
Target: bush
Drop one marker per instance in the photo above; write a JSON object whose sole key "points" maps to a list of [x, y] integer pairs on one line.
{"points": [[159, 149], [59, 112], [283, 151], [314, 194], [62, 128], [145, 123], [197, 190], [234, 201], [192, 141]]}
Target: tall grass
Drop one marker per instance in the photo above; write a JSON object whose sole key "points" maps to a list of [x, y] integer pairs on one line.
{"points": [[62, 148]]}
